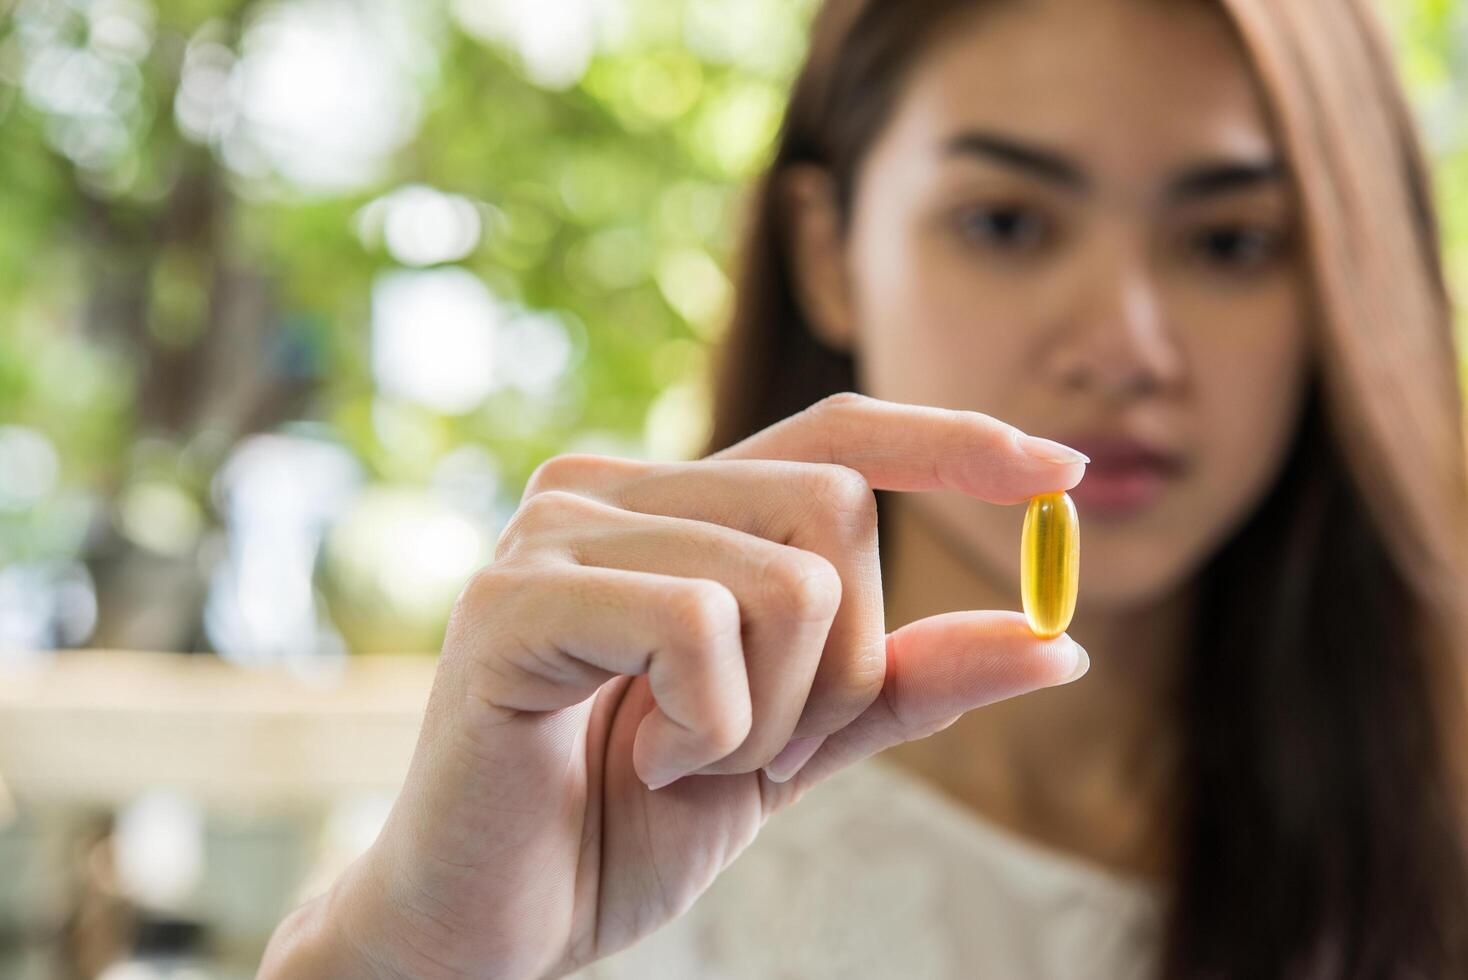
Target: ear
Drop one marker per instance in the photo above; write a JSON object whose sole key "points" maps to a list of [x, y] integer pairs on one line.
{"points": [[816, 247]]}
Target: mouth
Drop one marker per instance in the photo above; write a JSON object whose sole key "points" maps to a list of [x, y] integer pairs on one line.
{"points": [[1126, 476]]}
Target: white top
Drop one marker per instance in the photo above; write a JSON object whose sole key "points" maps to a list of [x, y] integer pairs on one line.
{"points": [[875, 874]]}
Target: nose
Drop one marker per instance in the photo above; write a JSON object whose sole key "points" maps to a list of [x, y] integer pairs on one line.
{"points": [[1117, 341]]}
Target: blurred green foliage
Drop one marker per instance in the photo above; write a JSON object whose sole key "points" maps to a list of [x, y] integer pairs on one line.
{"points": [[1433, 42], [170, 281], [592, 190]]}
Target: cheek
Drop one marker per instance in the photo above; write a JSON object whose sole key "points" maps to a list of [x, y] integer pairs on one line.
{"points": [[930, 330], [923, 357], [1244, 406], [1248, 406]]}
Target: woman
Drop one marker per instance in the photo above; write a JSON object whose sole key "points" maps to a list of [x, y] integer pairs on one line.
{"points": [[1193, 240]]}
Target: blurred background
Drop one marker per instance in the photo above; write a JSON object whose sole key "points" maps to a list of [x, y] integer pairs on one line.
{"points": [[294, 295]]}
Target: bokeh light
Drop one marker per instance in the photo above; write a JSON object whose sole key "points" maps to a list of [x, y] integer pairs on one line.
{"points": [[433, 338], [420, 225], [325, 90]]}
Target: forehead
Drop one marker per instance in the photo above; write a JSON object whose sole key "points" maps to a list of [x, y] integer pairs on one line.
{"points": [[1119, 84]]}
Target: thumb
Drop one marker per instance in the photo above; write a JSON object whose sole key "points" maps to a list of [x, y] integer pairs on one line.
{"points": [[948, 664], [942, 666]]}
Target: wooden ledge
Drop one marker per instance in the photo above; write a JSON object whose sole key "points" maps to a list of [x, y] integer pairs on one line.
{"points": [[100, 727]]}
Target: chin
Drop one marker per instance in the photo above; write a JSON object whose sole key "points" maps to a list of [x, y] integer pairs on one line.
{"points": [[1141, 578]]}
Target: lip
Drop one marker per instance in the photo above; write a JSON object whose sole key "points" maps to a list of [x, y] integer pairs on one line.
{"points": [[1127, 475]]}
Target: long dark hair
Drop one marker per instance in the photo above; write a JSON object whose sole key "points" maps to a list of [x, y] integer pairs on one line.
{"points": [[1318, 822]]}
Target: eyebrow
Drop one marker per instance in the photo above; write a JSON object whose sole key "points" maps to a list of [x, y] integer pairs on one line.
{"points": [[1216, 179], [1205, 180], [1038, 162]]}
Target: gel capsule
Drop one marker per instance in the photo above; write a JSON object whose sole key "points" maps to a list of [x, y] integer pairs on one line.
{"points": [[1049, 563]]}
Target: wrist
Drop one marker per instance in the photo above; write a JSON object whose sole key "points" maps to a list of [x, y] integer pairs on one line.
{"points": [[364, 929], [317, 939], [309, 943]]}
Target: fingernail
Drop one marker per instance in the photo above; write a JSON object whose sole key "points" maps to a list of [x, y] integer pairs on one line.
{"points": [[785, 765], [661, 781], [1083, 663], [1049, 450]]}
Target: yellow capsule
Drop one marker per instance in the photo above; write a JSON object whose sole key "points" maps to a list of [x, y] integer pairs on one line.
{"points": [[1049, 563]]}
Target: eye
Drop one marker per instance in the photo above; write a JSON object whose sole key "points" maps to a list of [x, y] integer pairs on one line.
{"points": [[1013, 227], [1237, 247]]}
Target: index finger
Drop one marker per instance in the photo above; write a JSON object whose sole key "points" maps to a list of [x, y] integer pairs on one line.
{"points": [[897, 446]]}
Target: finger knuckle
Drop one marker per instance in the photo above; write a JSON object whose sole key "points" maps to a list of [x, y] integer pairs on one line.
{"points": [[547, 511], [484, 587], [552, 472], [551, 508], [728, 725], [843, 495], [483, 597], [805, 584], [854, 689], [574, 470], [864, 679], [703, 611], [841, 401]]}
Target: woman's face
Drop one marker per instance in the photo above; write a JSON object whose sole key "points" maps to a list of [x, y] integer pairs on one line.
{"points": [[1077, 220]]}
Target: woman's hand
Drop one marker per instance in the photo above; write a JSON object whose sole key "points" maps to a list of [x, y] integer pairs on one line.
{"points": [[643, 621]]}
